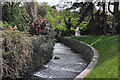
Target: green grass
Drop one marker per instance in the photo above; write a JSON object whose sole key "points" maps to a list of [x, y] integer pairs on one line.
{"points": [[107, 47]]}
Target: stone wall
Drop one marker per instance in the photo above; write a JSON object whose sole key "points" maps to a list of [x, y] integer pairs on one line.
{"points": [[89, 52]]}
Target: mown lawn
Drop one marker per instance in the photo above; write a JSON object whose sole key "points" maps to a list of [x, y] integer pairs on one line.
{"points": [[107, 47]]}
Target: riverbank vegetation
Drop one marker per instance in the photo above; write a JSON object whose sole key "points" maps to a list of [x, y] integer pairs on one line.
{"points": [[23, 53], [23, 22], [27, 39]]}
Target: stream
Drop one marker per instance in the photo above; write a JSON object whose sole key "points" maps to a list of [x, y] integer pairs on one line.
{"points": [[64, 64]]}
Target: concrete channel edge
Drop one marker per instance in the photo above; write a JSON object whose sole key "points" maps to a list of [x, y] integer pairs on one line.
{"points": [[90, 53], [91, 65]]}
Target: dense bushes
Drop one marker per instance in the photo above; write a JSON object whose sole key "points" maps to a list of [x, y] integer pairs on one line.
{"points": [[41, 11], [24, 53], [16, 14], [16, 48], [40, 26], [13, 14], [68, 32]]}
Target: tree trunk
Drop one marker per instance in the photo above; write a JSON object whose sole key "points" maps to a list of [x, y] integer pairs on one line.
{"points": [[116, 5], [31, 9], [115, 11], [92, 18], [0, 11], [68, 23], [104, 19]]}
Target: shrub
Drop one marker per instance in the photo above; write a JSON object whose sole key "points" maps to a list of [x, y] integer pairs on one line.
{"points": [[22, 53], [41, 11], [40, 26], [14, 14], [68, 32]]}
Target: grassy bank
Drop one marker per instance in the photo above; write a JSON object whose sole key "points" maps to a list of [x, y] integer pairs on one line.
{"points": [[107, 47]]}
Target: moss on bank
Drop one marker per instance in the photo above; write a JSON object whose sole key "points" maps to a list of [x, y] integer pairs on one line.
{"points": [[24, 53]]}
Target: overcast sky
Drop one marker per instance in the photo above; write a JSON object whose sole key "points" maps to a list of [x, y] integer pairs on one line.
{"points": [[50, 2], [53, 2]]}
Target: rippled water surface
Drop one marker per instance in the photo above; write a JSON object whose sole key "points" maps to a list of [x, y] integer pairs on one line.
{"points": [[64, 64]]}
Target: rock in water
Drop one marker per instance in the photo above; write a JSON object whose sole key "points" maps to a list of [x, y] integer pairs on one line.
{"points": [[56, 57]]}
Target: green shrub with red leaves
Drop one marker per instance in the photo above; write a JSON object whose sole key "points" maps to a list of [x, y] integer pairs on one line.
{"points": [[40, 26]]}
